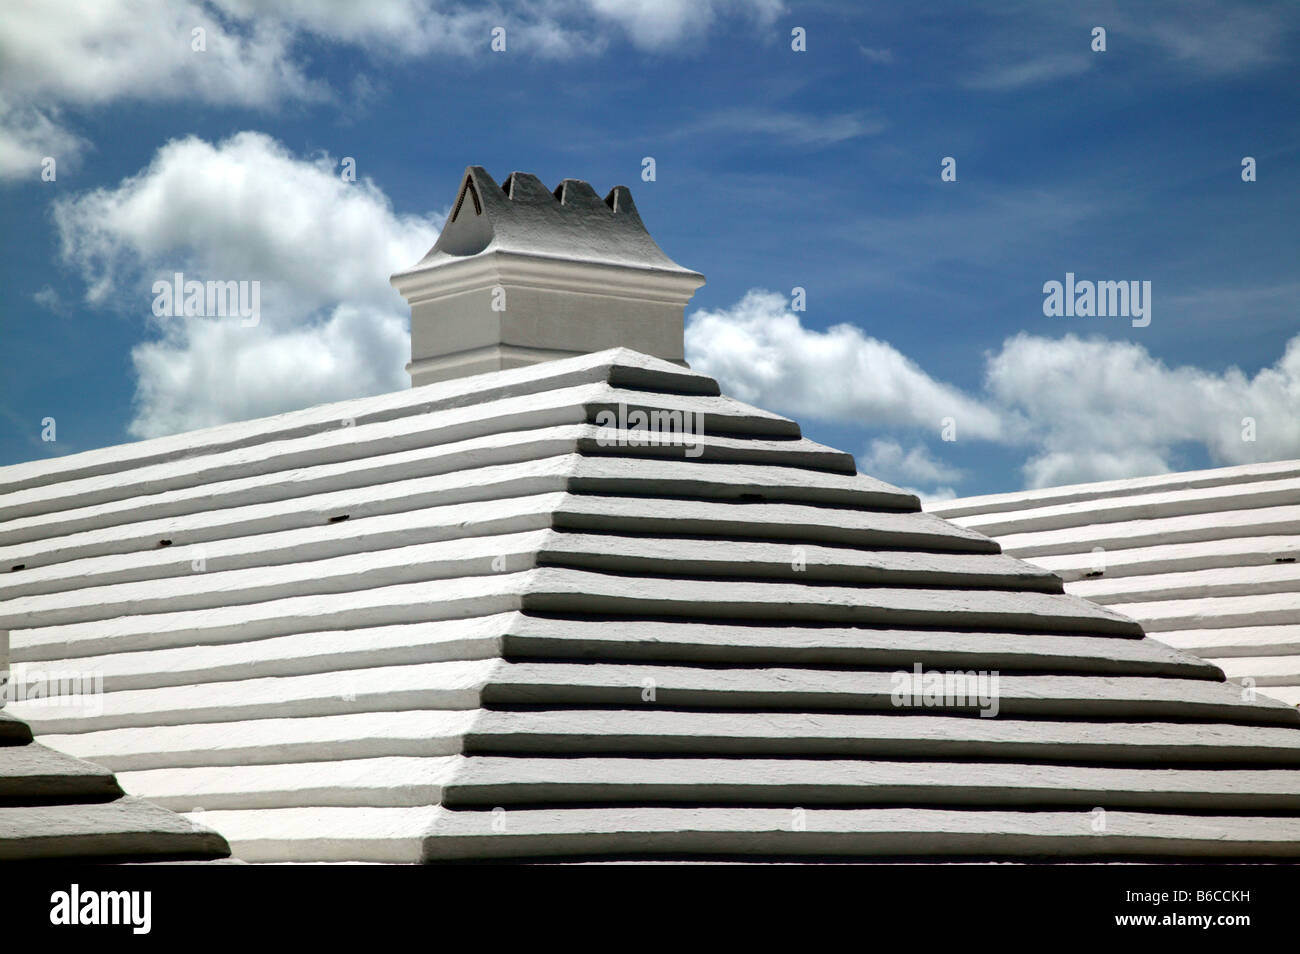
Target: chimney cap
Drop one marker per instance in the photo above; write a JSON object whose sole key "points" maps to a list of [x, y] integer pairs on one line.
{"points": [[522, 216]]}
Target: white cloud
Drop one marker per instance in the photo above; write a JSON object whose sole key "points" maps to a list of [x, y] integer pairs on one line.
{"points": [[49, 299], [245, 209], [28, 135], [795, 128], [64, 52], [1079, 409], [1101, 409], [935, 495], [556, 29], [887, 459], [242, 208], [765, 355], [1213, 36], [56, 53], [69, 51], [210, 371], [664, 24], [1028, 42], [1040, 69], [881, 56]]}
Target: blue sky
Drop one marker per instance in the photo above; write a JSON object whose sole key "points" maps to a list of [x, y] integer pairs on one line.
{"points": [[774, 169]]}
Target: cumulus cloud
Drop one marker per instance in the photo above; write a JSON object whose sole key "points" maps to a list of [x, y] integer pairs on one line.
{"points": [[69, 51], [203, 371], [889, 460], [914, 468], [1101, 409], [245, 209], [1079, 409], [57, 53], [766, 356], [242, 208]]}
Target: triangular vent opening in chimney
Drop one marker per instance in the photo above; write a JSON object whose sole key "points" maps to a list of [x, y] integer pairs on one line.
{"points": [[467, 189]]}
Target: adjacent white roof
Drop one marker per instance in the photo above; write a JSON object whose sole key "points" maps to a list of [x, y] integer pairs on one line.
{"points": [[54, 807], [459, 621], [1205, 560]]}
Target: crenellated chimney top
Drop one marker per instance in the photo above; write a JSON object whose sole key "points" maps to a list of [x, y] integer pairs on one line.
{"points": [[521, 274]]}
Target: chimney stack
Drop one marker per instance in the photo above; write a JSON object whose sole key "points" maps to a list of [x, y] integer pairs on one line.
{"points": [[521, 274]]}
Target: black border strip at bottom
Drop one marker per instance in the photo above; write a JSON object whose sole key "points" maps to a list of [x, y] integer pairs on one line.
{"points": [[543, 903]]}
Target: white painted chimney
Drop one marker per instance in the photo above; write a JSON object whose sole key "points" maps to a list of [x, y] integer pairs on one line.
{"points": [[521, 274]]}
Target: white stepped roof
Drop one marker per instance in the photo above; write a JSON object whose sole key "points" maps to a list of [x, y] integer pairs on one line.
{"points": [[1205, 560], [458, 622]]}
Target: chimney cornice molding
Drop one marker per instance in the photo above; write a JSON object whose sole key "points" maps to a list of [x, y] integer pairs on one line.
{"points": [[431, 282]]}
